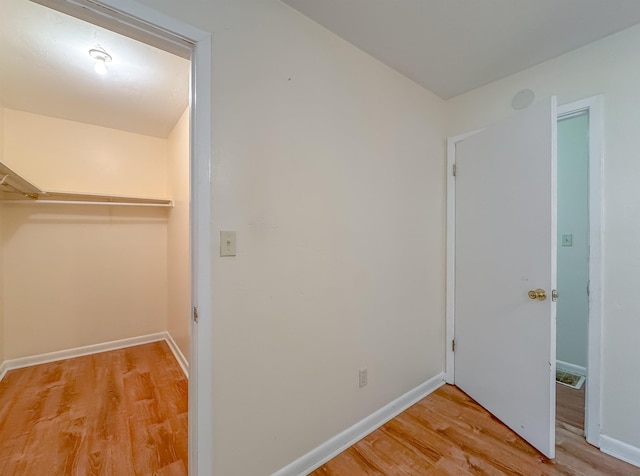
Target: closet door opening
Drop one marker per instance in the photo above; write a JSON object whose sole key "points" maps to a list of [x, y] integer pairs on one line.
{"points": [[106, 124]]}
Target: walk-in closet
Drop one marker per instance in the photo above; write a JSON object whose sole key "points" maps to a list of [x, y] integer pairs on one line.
{"points": [[94, 182]]}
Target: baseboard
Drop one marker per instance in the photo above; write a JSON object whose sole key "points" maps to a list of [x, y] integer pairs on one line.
{"points": [[3, 369], [571, 368], [177, 353], [334, 446], [620, 450], [80, 351]]}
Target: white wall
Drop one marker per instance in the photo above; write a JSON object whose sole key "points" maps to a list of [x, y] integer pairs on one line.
{"points": [[76, 276], [609, 67], [330, 166], [81, 275], [57, 154], [573, 219], [178, 257]]}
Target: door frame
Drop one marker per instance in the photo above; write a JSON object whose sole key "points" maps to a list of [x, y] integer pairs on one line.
{"points": [[175, 36], [594, 106]]}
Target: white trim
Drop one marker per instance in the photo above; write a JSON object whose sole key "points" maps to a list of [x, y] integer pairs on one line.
{"points": [[3, 369], [571, 368], [336, 445], [451, 255], [593, 399], [177, 353], [450, 285], [594, 346], [201, 387], [620, 450], [45, 358], [172, 34], [132, 20]]}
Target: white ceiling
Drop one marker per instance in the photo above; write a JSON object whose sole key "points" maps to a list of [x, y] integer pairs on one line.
{"points": [[45, 68], [454, 46]]}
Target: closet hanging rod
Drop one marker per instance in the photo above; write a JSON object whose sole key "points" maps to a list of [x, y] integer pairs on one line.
{"points": [[78, 202]]}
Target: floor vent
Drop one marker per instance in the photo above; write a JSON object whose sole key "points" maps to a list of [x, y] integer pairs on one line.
{"points": [[569, 379]]}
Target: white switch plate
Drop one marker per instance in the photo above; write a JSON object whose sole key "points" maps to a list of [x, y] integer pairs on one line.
{"points": [[363, 377], [227, 243]]}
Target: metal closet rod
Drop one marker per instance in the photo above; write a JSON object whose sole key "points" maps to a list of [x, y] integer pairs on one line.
{"points": [[77, 202]]}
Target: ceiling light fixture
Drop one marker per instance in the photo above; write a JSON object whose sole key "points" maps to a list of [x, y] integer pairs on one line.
{"points": [[101, 57]]}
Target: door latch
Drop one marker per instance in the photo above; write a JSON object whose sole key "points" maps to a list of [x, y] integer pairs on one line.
{"points": [[554, 295]]}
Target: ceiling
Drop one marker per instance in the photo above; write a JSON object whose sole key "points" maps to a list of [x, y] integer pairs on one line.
{"points": [[45, 68], [447, 46], [453, 46]]}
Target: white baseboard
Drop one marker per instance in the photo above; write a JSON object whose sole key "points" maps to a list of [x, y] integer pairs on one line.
{"points": [[3, 369], [334, 446], [94, 349], [182, 361], [571, 368], [620, 450]]}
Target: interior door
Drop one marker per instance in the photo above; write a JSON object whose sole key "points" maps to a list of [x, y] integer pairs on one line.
{"points": [[505, 247]]}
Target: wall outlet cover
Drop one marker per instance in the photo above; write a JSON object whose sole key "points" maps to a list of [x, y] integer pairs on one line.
{"points": [[227, 243], [567, 239]]}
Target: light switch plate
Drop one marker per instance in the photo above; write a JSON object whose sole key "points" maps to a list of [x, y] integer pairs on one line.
{"points": [[567, 239], [227, 243]]}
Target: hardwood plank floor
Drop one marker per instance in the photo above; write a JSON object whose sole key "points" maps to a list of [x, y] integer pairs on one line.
{"points": [[122, 412], [447, 433], [570, 406]]}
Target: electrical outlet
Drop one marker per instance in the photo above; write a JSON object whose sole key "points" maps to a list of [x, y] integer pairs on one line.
{"points": [[363, 377]]}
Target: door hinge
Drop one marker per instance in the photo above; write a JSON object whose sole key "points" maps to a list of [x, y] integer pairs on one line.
{"points": [[453, 345], [195, 314], [455, 169]]}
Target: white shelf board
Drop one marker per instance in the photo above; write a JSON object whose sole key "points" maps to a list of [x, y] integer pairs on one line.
{"points": [[12, 182], [16, 189]]}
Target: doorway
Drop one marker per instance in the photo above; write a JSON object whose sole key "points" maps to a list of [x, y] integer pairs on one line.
{"points": [[572, 319], [593, 108], [174, 36], [590, 111]]}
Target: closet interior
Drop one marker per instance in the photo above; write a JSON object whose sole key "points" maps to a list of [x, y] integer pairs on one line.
{"points": [[94, 199]]}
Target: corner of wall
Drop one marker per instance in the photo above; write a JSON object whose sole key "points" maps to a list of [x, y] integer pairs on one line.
{"points": [[178, 236]]}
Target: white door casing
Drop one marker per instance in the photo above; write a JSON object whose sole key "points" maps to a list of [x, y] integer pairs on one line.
{"points": [[594, 107], [505, 246]]}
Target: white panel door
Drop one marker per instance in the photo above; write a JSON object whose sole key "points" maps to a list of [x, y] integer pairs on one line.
{"points": [[505, 246]]}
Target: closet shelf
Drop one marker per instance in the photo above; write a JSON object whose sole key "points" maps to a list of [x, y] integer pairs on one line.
{"points": [[17, 189], [13, 183]]}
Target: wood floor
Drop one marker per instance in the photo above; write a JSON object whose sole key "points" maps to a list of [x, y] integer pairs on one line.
{"points": [[117, 413], [570, 406], [447, 433]]}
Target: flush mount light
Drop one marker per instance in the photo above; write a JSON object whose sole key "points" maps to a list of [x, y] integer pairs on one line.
{"points": [[101, 57]]}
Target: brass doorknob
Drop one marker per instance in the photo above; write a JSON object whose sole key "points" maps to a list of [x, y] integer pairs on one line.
{"points": [[538, 294]]}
